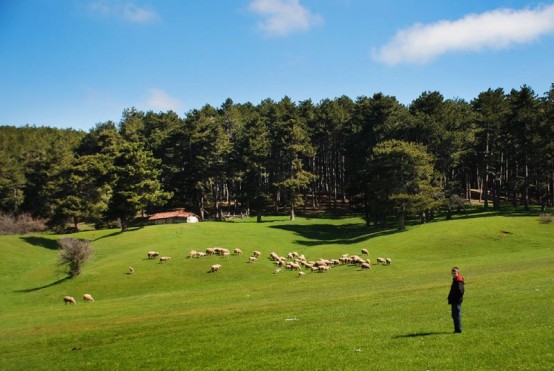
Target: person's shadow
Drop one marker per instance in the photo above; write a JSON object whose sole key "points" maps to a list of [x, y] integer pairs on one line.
{"points": [[419, 334]]}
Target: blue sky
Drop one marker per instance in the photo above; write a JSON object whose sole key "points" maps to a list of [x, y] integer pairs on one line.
{"points": [[75, 63]]}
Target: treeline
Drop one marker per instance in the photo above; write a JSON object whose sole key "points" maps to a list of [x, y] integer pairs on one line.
{"points": [[373, 155]]}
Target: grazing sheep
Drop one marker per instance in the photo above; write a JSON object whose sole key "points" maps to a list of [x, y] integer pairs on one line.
{"points": [[365, 252], [345, 260], [69, 299], [165, 258], [237, 251], [381, 261], [294, 266], [210, 251], [366, 266], [200, 254], [215, 268], [277, 271], [131, 270], [252, 259], [278, 262], [88, 297], [387, 261], [193, 254], [257, 254], [226, 254], [300, 274], [223, 251], [152, 254]]}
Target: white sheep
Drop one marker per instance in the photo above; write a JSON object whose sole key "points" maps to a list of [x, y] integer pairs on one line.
{"points": [[366, 266], [152, 254], [237, 251], [88, 297], [300, 274], [131, 270], [365, 252], [388, 261], [294, 266], [257, 254], [215, 268], [165, 258], [226, 254], [381, 261], [193, 254], [277, 271], [252, 259], [69, 299], [210, 251]]}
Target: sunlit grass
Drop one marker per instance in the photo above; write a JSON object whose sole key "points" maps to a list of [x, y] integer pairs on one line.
{"points": [[176, 315]]}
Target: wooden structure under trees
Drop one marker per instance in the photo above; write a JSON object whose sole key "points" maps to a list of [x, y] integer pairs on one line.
{"points": [[176, 216]]}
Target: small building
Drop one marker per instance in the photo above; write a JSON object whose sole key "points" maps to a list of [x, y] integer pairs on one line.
{"points": [[176, 216]]}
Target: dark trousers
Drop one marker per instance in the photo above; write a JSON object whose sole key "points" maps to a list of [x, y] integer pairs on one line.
{"points": [[457, 317]]}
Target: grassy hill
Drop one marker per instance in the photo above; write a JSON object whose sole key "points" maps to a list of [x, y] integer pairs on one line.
{"points": [[176, 315]]}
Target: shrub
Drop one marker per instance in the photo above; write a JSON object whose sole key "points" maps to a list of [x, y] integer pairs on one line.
{"points": [[20, 224], [545, 218], [73, 253]]}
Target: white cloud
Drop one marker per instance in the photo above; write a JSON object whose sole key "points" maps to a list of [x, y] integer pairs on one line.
{"points": [[159, 100], [283, 17], [133, 13], [124, 10], [100, 8], [496, 29]]}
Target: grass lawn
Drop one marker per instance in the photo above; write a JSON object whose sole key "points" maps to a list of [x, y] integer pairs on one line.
{"points": [[176, 315]]}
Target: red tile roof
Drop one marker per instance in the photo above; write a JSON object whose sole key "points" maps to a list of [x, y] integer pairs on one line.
{"points": [[170, 214]]}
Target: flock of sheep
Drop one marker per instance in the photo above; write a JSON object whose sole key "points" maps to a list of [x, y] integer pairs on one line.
{"points": [[292, 261]]}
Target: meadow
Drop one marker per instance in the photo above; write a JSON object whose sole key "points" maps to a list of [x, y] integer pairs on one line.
{"points": [[177, 315]]}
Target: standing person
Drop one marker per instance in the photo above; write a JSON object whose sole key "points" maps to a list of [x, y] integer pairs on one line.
{"points": [[455, 298]]}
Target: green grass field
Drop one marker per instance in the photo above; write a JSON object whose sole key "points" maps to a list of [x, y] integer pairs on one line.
{"points": [[176, 315]]}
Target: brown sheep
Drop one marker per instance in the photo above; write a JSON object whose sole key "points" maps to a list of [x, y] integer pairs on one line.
{"points": [[69, 299]]}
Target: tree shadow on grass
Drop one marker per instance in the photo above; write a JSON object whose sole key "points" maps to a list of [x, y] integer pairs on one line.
{"points": [[420, 334], [41, 241], [45, 286], [118, 232], [321, 234]]}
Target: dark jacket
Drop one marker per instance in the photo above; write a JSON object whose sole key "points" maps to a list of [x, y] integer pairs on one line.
{"points": [[456, 294]]}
